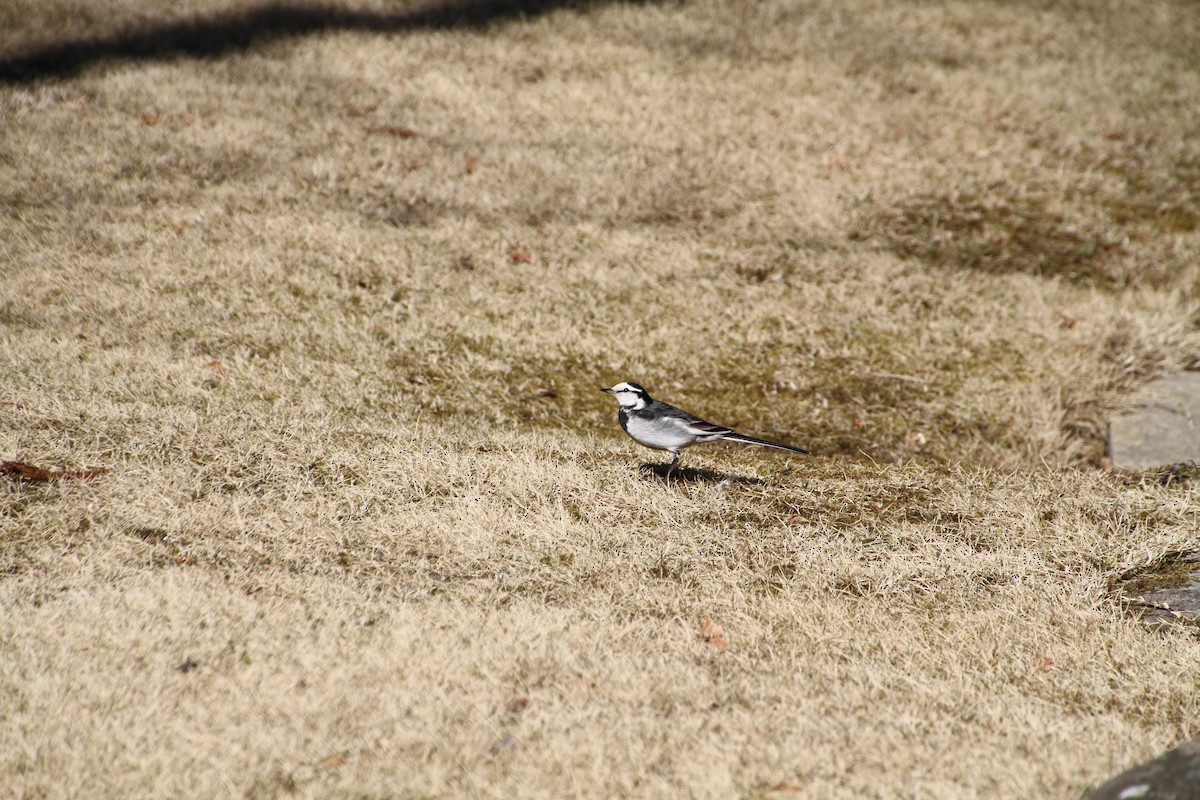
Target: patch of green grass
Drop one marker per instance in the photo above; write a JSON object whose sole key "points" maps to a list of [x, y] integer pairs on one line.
{"points": [[458, 374], [996, 228], [1157, 197], [1172, 573]]}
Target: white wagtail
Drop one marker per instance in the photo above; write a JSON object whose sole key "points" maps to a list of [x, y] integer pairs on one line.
{"points": [[662, 426]]}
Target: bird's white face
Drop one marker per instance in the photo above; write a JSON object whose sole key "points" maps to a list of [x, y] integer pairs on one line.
{"points": [[629, 395]]}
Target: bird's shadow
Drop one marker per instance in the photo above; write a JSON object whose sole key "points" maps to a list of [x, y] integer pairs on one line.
{"points": [[695, 475]]}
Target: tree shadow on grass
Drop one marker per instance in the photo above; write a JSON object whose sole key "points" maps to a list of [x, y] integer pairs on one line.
{"points": [[696, 475], [207, 36]]}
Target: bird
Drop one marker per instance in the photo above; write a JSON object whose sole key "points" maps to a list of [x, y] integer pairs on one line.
{"points": [[662, 426]]}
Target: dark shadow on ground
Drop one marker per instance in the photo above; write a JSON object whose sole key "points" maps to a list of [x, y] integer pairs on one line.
{"points": [[206, 36], [691, 475]]}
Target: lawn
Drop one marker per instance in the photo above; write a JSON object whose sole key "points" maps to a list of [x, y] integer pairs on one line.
{"points": [[324, 295]]}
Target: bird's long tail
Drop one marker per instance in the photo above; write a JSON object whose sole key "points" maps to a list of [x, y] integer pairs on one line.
{"points": [[741, 437]]}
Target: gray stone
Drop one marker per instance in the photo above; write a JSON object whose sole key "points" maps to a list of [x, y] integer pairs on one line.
{"points": [[1163, 428], [1182, 601], [1175, 775]]}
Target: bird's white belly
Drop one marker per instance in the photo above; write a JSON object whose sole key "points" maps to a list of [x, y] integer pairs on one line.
{"points": [[659, 434]]}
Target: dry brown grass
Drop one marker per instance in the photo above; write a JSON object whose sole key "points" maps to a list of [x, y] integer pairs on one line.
{"points": [[348, 548]]}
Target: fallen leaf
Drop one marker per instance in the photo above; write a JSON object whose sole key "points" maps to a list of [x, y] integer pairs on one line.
{"points": [[517, 705], [21, 471], [219, 372], [521, 256], [1044, 662], [216, 367], [334, 760], [915, 440], [413, 165], [860, 421], [470, 163], [24, 471], [150, 119], [543, 391], [711, 633], [394, 130]]}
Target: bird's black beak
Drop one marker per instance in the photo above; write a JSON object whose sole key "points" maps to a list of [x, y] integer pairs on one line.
{"points": [[607, 391]]}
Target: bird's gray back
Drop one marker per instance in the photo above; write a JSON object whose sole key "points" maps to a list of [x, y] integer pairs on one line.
{"points": [[665, 427]]}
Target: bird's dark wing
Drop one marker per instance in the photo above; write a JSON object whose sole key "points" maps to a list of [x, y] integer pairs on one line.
{"points": [[702, 429]]}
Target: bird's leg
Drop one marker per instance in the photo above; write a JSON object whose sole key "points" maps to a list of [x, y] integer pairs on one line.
{"points": [[674, 462]]}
